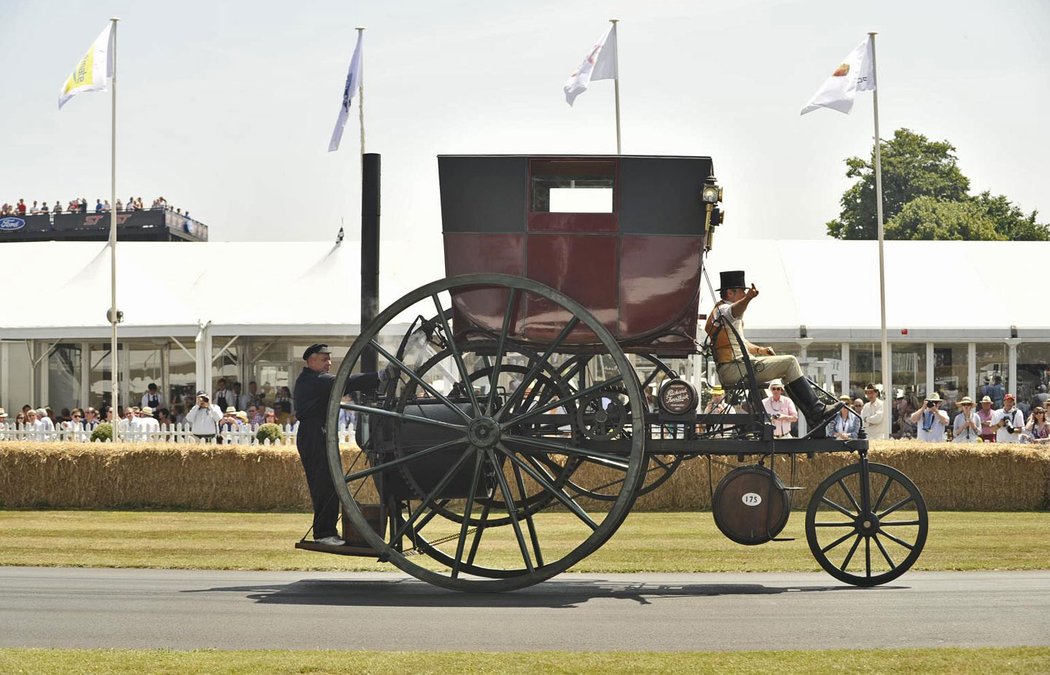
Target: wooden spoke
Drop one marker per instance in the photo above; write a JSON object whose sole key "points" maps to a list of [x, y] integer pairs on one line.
{"points": [[464, 376], [421, 382]]}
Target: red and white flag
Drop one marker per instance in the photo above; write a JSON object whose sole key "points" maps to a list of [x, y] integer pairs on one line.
{"points": [[855, 73], [600, 64]]}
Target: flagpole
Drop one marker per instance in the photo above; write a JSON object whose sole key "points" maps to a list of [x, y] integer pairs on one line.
{"points": [[887, 384], [616, 85], [113, 317], [361, 95]]}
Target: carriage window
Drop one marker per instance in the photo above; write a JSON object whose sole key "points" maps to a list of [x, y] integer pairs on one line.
{"points": [[572, 187]]}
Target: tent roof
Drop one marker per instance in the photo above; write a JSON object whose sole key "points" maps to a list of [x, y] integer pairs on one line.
{"points": [[62, 289], [946, 289], [963, 290]]}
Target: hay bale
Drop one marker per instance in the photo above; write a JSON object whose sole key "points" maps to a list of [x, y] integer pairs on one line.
{"points": [[93, 475], [260, 478]]}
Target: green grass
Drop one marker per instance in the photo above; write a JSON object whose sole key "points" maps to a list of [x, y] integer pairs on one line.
{"points": [[904, 661], [656, 542]]}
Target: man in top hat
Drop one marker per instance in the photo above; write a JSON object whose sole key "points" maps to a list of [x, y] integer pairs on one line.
{"points": [[1008, 421], [780, 410], [930, 420], [313, 388], [873, 413], [726, 318], [967, 425]]}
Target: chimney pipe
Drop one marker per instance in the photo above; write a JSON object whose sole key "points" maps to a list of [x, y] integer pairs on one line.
{"points": [[370, 199]]}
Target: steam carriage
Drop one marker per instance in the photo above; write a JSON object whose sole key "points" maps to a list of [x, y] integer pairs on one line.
{"points": [[516, 435]]}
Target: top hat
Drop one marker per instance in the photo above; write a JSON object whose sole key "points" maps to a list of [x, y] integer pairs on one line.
{"points": [[733, 279]]}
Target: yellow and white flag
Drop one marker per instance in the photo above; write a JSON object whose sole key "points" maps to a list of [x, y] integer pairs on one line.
{"points": [[600, 64], [855, 73], [94, 71]]}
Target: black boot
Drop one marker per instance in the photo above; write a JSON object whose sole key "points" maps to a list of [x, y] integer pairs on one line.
{"points": [[816, 413]]}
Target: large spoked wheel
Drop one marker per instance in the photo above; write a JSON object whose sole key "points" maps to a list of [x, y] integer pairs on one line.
{"points": [[866, 524], [471, 466]]}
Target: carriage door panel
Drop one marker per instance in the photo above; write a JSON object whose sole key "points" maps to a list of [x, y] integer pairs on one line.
{"points": [[582, 267]]}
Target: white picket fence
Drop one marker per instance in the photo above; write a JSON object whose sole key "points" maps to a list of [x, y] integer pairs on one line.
{"points": [[169, 433]]}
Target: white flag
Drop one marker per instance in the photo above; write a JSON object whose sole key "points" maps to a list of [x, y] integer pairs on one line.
{"points": [[855, 73], [94, 71], [600, 64], [353, 81]]}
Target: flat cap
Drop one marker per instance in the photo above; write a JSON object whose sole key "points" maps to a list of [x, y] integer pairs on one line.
{"points": [[316, 349]]}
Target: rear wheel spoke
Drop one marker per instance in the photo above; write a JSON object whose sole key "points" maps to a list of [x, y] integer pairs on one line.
{"points": [[512, 510], [556, 492], [567, 450], [480, 530], [561, 401], [529, 520], [468, 508], [365, 473], [420, 381], [534, 369], [508, 313], [428, 501]]}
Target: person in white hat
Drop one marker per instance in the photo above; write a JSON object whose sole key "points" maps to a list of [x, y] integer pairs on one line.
{"points": [[984, 413], [874, 414], [967, 425], [930, 420], [147, 423], [780, 410]]}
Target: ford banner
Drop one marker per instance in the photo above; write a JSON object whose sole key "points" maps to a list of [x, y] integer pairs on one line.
{"points": [[11, 224]]}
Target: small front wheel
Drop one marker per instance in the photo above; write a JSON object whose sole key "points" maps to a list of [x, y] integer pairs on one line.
{"points": [[866, 532]]}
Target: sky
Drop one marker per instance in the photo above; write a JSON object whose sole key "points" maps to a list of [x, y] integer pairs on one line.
{"points": [[226, 108]]}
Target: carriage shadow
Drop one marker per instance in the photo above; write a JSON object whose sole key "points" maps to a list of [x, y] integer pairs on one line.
{"points": [[551, 594]]}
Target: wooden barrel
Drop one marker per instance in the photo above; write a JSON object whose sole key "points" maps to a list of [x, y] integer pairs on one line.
{"points": [[751, 505]]}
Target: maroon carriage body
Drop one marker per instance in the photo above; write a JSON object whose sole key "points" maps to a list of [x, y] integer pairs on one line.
{"points": [[622, 235]]}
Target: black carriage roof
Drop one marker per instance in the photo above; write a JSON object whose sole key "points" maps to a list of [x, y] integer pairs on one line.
{"points": [[560, 156], [492, 193]]}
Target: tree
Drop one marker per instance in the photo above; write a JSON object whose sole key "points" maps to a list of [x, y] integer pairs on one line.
{"points": [[1010, 221], [912, 166], [932, 218]]}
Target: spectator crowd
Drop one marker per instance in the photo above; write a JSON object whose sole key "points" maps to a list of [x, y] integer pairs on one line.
{"points": [[207, 416], [80, 205]]}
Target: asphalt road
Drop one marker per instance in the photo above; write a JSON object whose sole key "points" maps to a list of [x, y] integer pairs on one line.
{"points": [[60, 607]]}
